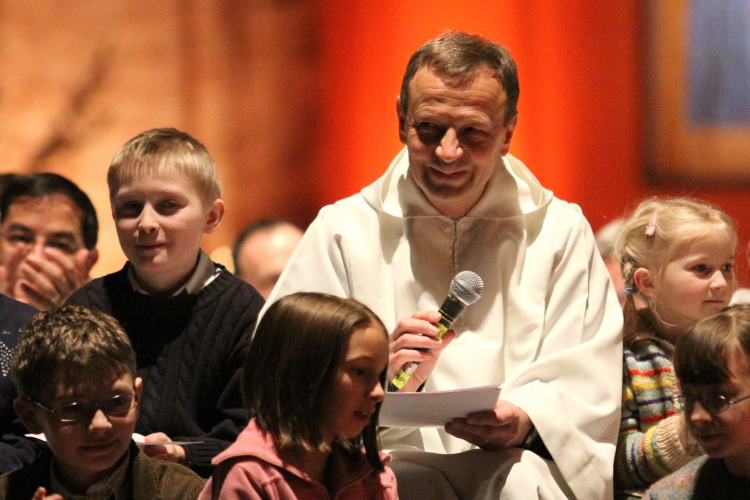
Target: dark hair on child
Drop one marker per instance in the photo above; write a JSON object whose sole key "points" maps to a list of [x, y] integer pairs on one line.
{"points": [[701, 352], [67, 343], [291, 366]]}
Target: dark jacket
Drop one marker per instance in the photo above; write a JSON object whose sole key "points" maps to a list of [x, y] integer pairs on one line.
{"points": [[190, 351], [15, 449], [152, 479]]}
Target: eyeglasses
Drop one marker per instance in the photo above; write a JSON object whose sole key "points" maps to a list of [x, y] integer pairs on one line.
{"points": [[76, 412], [713, 403]]}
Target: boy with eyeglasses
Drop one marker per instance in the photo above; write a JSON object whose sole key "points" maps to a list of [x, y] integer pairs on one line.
{"points": [[712, 362], [74, 370]]}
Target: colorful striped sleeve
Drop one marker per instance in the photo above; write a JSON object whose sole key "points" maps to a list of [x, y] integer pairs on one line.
{"points": [[648, 447]]}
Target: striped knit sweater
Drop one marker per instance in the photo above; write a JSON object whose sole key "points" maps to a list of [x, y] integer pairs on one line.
{"points": [[648, 447]]}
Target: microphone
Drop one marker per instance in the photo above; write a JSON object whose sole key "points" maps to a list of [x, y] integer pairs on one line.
{"points": [[466, 288]]}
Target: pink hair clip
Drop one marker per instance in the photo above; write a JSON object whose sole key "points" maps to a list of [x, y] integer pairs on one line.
{"points": [[651, 228]]}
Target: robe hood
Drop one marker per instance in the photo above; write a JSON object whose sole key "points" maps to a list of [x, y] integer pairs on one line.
{"points": [[511, 191]]}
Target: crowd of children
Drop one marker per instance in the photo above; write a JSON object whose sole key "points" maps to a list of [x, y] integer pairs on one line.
{"points": [[163, 348], [189, 322]]}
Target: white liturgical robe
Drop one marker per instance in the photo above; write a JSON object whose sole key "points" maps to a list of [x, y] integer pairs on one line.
{"points": [[547, 328]]}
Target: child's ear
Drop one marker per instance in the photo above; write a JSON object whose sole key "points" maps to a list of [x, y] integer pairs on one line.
{"points": [[215, 214], [645, 282], [138, 386], [26, 412]]}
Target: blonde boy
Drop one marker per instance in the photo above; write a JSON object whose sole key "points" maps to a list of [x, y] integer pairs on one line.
{"points": [[75, 374], [189, 319]]}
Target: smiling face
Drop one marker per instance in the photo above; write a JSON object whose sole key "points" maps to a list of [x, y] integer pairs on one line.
{"points": [[455, 135], [357, 388], [88, 450], [726, 434], [161, 220], [35, 224], [696, 283]]}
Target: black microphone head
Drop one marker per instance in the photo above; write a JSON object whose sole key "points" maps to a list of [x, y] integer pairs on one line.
{"points": [[467, 287]]}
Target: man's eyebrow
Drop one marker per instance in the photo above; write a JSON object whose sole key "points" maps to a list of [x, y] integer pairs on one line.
{"points": [[60, 235], [19, 227], [63, 235]]}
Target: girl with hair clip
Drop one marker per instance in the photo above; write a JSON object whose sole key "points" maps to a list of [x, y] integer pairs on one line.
{"points": [[712, 362], [677, 258], [313, 383]]}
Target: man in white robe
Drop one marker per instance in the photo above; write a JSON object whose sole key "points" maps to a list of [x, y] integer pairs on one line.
{"points": [[547, 328]]}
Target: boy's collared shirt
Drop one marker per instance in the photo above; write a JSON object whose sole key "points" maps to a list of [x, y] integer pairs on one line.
{"points": [[113, 486], [205, 272]]}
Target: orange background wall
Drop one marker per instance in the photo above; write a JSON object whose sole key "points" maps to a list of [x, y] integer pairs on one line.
{"points": [[579, 69], [296, 98], [582, 104]]}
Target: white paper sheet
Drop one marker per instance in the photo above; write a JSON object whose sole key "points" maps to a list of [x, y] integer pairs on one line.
{"points": [[138, 438], [435, 409]]}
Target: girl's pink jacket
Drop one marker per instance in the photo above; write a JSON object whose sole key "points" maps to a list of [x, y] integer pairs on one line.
{"points": [[270, 474]]}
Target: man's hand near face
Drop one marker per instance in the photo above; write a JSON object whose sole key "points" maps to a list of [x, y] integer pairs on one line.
{"points": [[44, 257], [417, 331], [46, 280]]}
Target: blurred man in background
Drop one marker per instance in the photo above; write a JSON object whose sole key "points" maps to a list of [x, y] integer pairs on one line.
{"points": [[48, 236], [262, 251]]}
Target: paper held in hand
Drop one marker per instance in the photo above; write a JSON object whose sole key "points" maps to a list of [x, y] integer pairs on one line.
{"points": [[138, 438], [435, 409]]}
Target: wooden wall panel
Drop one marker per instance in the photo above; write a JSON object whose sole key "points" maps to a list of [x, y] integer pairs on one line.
{"points": [[296, 98], [81, 78]]}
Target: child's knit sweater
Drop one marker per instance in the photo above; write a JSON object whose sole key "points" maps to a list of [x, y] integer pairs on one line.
{"points": [[648, 447], [190, 351], [702, 479]]}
